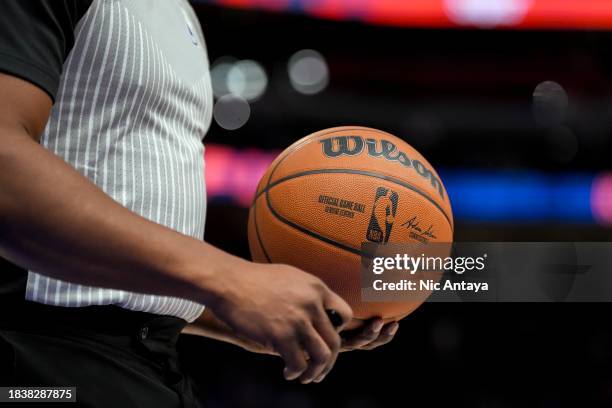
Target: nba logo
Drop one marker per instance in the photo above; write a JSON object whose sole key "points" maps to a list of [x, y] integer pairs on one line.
{"points": [[383, 215]]}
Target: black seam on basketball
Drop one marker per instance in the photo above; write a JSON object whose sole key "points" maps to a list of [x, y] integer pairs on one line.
{"points": [[363, 173], [257, 233], [297, 147], [292, 224], [254, 205], [309, 232], [306, 231]]}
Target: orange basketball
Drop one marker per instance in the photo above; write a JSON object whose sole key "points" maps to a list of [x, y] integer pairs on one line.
{"points": [[330, 191]]}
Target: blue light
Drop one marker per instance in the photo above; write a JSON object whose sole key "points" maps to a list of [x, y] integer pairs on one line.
{"points": [[519, 196], [513, 196]]}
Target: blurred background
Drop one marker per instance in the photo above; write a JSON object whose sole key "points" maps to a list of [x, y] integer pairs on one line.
{"points": [[511, 100]]}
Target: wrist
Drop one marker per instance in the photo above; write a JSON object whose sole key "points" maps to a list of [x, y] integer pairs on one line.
{"points": [[208, 272]]}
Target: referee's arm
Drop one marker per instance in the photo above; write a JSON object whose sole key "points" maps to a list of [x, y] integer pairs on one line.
{"points": [[55, 221]]}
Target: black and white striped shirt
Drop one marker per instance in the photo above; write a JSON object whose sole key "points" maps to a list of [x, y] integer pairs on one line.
{"points": [[133, 104]]}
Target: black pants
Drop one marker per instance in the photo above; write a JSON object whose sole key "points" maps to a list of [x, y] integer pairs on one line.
{"points": [[115, 357]]}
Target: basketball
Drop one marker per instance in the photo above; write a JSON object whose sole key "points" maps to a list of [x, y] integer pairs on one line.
{"points": [[331, 191]]}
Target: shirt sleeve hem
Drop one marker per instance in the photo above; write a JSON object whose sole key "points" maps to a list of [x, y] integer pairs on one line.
{"points": [[30, 72]]}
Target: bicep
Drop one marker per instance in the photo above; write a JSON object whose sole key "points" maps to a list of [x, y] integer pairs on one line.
{"points": [[23, 106], [35, 39]]}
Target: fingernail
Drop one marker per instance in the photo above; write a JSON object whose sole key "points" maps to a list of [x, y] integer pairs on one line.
{"points": [[378, 326], [288, 376], [393, 329]]}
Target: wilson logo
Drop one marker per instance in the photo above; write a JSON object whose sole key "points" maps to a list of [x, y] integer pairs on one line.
{"points": [[383, 215], [354, 145]]}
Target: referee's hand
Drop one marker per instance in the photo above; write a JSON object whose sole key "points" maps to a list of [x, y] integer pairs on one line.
{"points": [[285, 310]]}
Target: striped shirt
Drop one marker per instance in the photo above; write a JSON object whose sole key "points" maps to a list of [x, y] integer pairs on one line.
{"points": [[133, 104]]}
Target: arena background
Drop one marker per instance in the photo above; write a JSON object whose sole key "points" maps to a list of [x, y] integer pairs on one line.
{"points": [[511, 100]]}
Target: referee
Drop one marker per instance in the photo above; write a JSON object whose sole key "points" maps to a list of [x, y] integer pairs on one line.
{"points": [[103, 108]]}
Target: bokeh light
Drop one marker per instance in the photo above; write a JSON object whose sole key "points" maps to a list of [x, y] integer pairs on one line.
{"points": [[601, 198], [308, 72], [219, 73], [232, 112], [487, 13], [550, 103], [244, 78], [247, 79]]}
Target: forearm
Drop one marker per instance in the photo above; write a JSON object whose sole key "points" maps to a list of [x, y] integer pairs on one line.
{"points": [[208, 325], [55, 221]]}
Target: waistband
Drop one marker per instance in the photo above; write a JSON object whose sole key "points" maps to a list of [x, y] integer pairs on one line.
{"points": [[112, 320]]}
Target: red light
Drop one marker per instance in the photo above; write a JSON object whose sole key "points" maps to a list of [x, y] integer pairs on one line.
{"points": [[532, 14]]}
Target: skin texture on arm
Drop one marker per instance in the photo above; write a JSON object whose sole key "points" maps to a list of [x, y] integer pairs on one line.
{"points": [[48, 211], [208, 325], [56, 222], [373, 334]]}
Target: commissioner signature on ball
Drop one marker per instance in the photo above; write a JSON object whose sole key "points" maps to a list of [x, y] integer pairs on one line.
{"points": [[415, 225]]}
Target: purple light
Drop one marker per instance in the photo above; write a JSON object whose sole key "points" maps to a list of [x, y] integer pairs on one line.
{"points": [[601, 198], [520, 196]]}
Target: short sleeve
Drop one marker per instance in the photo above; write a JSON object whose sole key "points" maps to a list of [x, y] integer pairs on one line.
{"points": [[36, 37]]}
